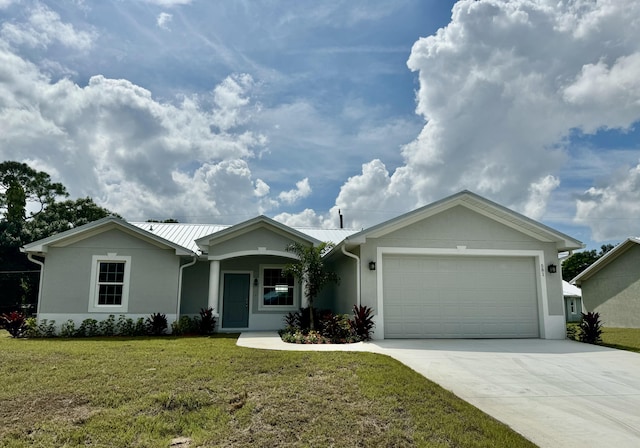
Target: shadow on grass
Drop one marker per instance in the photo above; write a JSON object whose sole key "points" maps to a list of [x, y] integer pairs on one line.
{"points": [[135, 338]]}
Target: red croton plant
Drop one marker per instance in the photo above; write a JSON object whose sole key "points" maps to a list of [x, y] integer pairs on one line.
{"points": [[14, 323]]}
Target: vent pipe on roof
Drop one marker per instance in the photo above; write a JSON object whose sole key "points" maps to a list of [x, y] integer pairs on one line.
{"points": [[341, 222]]}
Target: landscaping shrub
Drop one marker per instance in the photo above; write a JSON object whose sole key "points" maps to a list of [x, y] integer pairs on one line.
{"points": [[156, 324], [68, 329], [590, 328], [140, 327], [573, 331], [363, 322], [107, 327], [125, 326], [14, 323], [88, 329], [185, 325], [337, 328], [43, 329], [292, 320], [31, 327], [207, 324], [47, 328], [330, 328]]}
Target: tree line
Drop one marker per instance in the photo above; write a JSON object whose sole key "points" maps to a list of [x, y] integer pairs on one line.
{"points": [[32, 207]]}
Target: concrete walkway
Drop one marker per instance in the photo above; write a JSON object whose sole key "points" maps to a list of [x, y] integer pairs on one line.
{"points": [[555, 393]]}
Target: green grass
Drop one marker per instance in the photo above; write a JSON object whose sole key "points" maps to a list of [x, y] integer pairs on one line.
{"points": [[143, 392], [622, 338]]}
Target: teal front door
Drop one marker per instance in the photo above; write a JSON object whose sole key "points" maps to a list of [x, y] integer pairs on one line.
{"points": [[235, 300]]}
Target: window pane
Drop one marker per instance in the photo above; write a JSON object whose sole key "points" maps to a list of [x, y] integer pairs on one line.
{"points": [[110, 295], [111, 272], [278, 289]]}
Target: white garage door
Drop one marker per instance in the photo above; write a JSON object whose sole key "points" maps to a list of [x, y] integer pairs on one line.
{"points": [[459, 297]]}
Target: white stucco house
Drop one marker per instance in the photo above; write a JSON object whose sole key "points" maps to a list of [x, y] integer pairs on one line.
{"points": [[462, 267]]}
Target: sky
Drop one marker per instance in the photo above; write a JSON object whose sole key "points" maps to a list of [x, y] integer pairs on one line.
{"points": [[216, 111]]}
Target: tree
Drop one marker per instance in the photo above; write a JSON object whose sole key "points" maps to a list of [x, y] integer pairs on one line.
{"points": [[21, 189], [22, 184], [61, 216], [309, 269], [579, 261]]}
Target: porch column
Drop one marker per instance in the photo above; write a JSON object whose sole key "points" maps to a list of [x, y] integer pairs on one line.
{"points": [[214, 284]]}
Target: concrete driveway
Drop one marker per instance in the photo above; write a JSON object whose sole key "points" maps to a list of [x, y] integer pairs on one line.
{"points": [[555, 393]]}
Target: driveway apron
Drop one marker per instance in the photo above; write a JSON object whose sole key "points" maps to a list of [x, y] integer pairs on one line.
{"points": [[555, 393]]}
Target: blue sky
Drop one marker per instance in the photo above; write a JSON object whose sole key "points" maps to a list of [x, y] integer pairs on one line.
{"points": [[215, 111]]}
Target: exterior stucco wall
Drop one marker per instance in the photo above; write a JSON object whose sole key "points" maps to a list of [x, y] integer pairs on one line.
{"points": [[459, 226], [614, 291], [195, 288], [153, 283], [341, 297], [252, 240]]}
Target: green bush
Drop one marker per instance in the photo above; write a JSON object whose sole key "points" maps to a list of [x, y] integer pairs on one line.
{"points": [[330, 328], [31, 327], [47, 329], [573, 331], [68, 329], [89, 328], [107, 327], [184, 325], [125, 326]]}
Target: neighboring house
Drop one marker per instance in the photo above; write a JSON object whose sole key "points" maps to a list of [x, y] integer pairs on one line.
{"points": [[611, 285], [572, 301], [462, 267]]}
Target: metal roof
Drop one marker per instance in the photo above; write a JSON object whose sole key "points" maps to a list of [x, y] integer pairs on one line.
{"points": [[186, 235]]}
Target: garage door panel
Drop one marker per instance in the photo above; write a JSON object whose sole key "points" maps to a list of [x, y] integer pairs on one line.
{"points": [[453, 297]]}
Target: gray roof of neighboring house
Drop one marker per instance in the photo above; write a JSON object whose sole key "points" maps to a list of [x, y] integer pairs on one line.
{"points": [[186, 235], [606, 259]]}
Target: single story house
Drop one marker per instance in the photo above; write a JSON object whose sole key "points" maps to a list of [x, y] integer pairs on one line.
{"points": [[462, 267], [572, 301], [611, 285]]}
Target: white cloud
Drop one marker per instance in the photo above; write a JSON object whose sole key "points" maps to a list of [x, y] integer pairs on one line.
{"points": [[6, 3], [302, 190], [137, 156], [44, 27], [169, 3], [262, 188], [231, 102], [613, 211], [163, 20], [539, 193], [306, 218], [501, 89]]}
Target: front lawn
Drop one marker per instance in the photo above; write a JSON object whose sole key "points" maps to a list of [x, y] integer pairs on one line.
{"points": [[144, 392], [622, 338]]}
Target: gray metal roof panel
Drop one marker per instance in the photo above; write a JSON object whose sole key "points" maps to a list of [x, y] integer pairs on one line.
{"points": [[186, 235]]}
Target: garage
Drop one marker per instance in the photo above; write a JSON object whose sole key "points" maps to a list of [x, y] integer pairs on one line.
{"points": [[435, 296]]}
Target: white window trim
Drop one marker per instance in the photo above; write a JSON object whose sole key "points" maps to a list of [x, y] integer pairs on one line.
{"points": [[296, 294], [94, 290]]}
